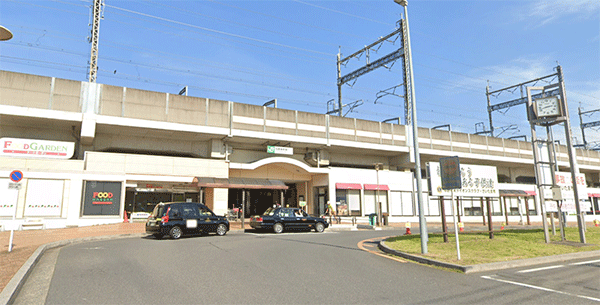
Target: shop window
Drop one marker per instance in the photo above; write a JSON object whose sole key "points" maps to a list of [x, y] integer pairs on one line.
{"points": [[447, 205], [496, 207], [472, 206], [401, 204], [531, 205], [432, 206], [371, 201], [44, 197], [348, 202], [8, 198], [512, 206]]}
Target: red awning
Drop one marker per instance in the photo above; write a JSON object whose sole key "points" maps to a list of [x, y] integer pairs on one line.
{"points": [[593, 195], [348, 186], [375, 187], [530, 193]]}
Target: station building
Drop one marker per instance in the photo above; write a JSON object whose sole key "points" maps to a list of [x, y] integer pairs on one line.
{"points": [[89, 153]]}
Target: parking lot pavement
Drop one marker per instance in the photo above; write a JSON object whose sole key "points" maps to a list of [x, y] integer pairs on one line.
{"points": [[575, 277], [26, 243]]}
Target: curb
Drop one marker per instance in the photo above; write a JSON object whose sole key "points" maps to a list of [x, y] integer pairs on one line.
{"points": [[490, 266], [12, 288]]}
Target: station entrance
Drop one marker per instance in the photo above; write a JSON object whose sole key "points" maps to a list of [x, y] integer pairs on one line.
{"points": [[257, 201]]}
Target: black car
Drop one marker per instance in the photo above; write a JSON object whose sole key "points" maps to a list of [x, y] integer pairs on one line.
{"points": [[178, 218], [279, 219]]}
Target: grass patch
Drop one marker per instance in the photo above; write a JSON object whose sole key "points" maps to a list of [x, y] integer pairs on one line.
{"points": [[477, 248]]}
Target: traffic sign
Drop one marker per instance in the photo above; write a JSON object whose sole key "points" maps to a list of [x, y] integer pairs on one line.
{"points": [[16, 175]]}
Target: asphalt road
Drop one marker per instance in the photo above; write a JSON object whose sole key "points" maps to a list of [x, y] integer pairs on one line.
{"points": [[295, 268]]}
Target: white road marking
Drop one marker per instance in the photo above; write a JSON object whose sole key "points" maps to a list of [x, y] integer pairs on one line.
{"points": [[541, 288], [583, 263], [540, 269]]}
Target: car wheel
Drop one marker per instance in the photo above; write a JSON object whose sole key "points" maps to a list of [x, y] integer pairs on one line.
{"points": [[277, 228], [319, 227], [175, 232], [157, 236], [221, 229]]}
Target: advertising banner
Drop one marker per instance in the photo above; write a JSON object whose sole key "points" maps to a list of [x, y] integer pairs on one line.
{"points": [[563, 180], [102, 198], [477, 181]]}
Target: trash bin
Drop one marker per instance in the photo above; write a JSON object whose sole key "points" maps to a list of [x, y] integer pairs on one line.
{"points": [[372, 219]]}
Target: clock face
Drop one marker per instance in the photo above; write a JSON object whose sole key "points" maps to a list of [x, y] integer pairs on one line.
{"points": [[547, 107]]}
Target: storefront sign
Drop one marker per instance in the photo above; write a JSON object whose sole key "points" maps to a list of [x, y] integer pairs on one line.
{"points": [[476, 181], [280, 150], [36, 148], [102, 198]]}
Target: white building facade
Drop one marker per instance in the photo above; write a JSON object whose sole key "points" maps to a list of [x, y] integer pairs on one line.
{"points": [[89, 153]]}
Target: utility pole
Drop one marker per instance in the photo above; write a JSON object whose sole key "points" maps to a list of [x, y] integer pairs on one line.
{"points": [[97, 14], [412, 102]]}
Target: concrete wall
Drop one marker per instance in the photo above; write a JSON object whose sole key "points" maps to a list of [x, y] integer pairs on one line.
{"points": [[155, 165]]}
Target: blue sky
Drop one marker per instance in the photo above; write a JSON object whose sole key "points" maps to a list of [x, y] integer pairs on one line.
{"points": [[254, 51]]}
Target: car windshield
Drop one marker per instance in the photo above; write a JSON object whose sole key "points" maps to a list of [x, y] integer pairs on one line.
{"points": [[269, 212], [159, 210]]}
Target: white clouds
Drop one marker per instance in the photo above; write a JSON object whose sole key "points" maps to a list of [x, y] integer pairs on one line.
{"points": [[519, 70], [545, 11]]}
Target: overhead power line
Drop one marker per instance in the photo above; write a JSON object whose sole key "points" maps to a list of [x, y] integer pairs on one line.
{"points": [[219, 32]]}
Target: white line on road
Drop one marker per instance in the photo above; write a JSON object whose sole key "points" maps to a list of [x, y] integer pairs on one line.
{"points": [[583, 263], [540, 269], [540, 288]]}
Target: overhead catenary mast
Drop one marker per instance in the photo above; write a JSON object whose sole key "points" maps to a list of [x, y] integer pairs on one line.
{"points": [[97, 14]]}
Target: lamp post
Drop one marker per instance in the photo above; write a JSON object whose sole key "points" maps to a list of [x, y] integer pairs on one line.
{"points": [[408, 54], [378, 203]]}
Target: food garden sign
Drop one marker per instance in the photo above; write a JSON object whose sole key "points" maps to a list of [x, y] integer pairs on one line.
{"points": [[29, 148]]}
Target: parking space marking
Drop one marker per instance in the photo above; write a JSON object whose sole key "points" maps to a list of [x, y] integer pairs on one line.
{"points": [[583, 263], [540, 288], [540, 269], [287, 233]]}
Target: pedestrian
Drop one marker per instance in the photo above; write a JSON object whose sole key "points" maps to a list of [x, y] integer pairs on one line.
{"points": [[331, 212]]}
